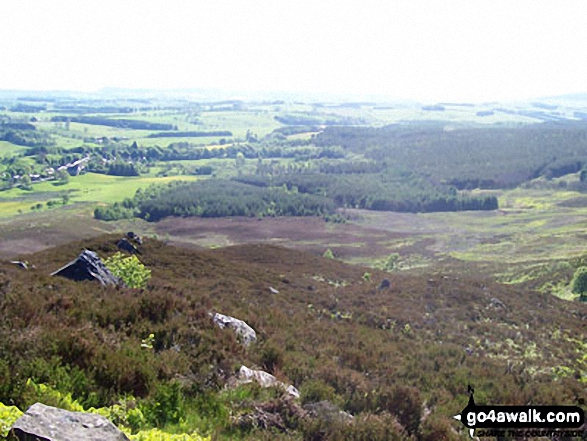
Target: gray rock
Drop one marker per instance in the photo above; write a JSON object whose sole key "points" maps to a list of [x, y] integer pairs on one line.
{"points": [[88, 266], [496, 303], [385, 284], [264, 379], [244, 331], [135, 237], [46, 423], [23, 264], [124, 245]]}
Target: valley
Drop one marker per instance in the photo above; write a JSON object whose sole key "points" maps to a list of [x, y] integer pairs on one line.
{"points": [[387, 254]]}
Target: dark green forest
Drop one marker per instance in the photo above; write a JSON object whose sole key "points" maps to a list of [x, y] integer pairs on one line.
{"points": [[469, 157], [23, 134], [215, 198], [291, 195], [386, 191], [122, 123]]}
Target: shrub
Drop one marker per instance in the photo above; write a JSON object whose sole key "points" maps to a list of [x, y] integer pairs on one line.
{"points": [[271, 358], [127, 370], [403, 402], [435, 428], [125, 415], [390, 263], [166, 406], [42, 393], [6, 385], [8, 415], [313, 391], [366, 426], [58, 377], [579, 282], [129, 269], [382, 427]]}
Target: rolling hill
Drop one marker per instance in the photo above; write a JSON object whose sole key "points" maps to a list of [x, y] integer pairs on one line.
{"points": [[399, 359]]}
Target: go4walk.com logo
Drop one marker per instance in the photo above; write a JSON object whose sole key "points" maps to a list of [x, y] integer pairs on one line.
{"points": [[525, 421]]}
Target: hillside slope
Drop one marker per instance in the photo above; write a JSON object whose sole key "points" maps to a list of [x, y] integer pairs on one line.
{"points": [[399, 359]]}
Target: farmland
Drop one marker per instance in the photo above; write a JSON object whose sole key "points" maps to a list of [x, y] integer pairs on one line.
{"points": [[291, 215], [540, 215]]}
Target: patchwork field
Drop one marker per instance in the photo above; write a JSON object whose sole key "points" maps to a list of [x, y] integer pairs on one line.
{"points": [[90, 187], [540, 223], [387, 315], [530, 228]]}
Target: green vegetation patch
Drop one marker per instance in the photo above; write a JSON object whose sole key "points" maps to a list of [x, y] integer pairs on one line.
{"points": [[8, 416], [215, 198], [89, 187], [385, 191], [470, 157], [8, 149]]}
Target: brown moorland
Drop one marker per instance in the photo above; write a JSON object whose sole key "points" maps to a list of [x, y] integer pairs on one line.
{"points": [[399, 359]]}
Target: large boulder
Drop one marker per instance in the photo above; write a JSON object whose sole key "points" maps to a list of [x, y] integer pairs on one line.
{"points": [[244, 331], [88, 266], [46, 423], [264, 379]]}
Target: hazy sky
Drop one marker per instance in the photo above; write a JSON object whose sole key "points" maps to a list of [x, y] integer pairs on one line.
{"points": [[428, 50]]}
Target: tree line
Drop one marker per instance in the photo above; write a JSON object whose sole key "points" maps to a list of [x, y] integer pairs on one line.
{"points": [[121, 123], [386, 191], [189, 134], [494, 157], [215, 198]]}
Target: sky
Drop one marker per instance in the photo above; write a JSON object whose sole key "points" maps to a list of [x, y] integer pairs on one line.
{"points": [[469, 50]]}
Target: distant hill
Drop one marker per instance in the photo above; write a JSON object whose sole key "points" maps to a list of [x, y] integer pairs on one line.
{"points": [[575, 97]]}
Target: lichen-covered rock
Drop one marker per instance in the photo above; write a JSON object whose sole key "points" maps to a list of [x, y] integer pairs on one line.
{"points": [[244, 331], [46, 423]]}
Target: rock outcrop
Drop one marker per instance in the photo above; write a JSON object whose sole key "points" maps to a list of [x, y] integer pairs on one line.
{"points": [[135, 237], [46, 423], [264, 379], [88, 266], [124, 245], [246, 334], [21, 263]]}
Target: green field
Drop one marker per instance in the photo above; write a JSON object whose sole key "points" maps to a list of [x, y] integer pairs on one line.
{"points": [[8, 149], [533, 224], [89, 187]]}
